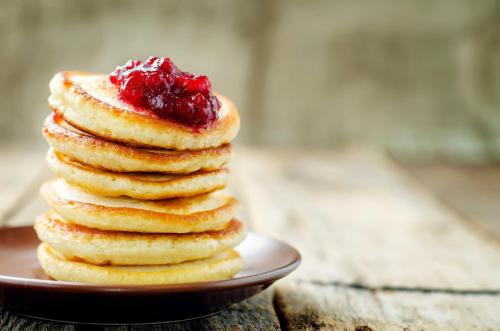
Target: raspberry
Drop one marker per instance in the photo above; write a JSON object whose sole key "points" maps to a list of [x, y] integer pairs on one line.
{"points": [[191, 84], [170, 93], [115, 75]]}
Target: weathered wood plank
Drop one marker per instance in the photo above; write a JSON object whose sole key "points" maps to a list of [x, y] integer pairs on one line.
{"points": [[356, 218], [33, 204], [20, 170], [474, 191], [256, 313], [306, 306], [27, 214]]}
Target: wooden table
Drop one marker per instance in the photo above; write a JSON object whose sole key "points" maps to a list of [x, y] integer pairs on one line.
{"points": [[384, 246]]}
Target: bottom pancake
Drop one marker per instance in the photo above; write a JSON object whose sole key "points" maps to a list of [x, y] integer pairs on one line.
{"points": [[99, 247], [221, 266]]}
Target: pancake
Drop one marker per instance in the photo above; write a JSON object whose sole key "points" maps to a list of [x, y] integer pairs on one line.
{"points": [[90, 102], [152, 186], [99, 247], [221, 266], [197, 214], [107, 155]]}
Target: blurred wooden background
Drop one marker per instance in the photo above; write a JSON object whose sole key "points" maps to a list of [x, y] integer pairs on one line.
{"points": [[418, 78]]}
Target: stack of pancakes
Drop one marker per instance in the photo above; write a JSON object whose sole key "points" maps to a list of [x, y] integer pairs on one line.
{"points": [[134, 202]]}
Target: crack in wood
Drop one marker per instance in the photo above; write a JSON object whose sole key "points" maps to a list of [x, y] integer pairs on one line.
{"points": [[279, 313], [363, 328], [391, 288]]}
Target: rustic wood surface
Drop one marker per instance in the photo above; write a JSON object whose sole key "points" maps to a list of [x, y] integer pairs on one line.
{"points": [[381, 251], [473, 191]]}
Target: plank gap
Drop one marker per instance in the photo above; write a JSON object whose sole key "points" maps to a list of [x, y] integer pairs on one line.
{"points": [[389, 288], [279, 313], [311, 307]]}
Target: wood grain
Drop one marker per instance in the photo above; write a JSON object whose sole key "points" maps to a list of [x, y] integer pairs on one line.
{"points": [[474, 191], [20, 170], [32, 203], [380, 251], [306, 306], [357, 218]]}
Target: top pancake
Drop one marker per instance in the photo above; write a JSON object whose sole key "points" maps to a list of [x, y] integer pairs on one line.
{"points": [[90, 103]]}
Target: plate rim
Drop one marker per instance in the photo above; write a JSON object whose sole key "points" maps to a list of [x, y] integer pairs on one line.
{"points": [[269, 276]]}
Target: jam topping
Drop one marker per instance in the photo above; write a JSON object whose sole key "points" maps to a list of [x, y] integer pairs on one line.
{"points": [[157, 84]]}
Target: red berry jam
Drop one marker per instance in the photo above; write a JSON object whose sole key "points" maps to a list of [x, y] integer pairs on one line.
{"points": [[157, 84]]}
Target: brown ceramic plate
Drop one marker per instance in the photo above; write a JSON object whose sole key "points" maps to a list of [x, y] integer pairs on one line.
{"points": [[25, 289]]}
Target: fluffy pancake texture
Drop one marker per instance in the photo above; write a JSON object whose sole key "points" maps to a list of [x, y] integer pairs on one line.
{"points": [[103, 154], [197, 214], [221, 266], [91, 103], [135, 185], [98, 247]]}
